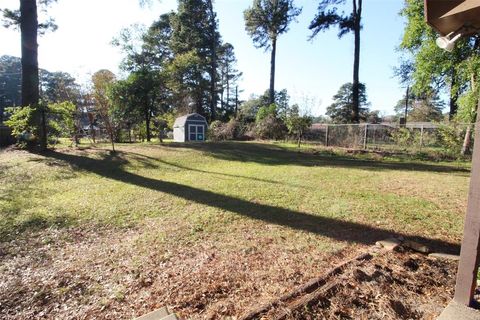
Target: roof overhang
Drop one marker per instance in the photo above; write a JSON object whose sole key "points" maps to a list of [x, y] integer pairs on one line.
{"points": [[448, 16]]}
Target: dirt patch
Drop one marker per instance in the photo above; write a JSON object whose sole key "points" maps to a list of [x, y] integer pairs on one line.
{"points": [[80, 273], [399, 284], [110, 274]]}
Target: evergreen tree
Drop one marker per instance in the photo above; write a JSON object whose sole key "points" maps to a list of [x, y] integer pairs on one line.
{"points": [[10, 83], [194, 41], [139, 98], [143, 95], [265, 20], [26, 17], [229, 75], [58, 87], [327, 17], [342, 108]]}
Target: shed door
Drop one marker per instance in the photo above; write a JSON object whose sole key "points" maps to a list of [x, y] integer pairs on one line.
{"points": [[196, 132]]}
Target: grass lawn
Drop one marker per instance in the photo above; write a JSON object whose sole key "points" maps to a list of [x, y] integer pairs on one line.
{"points": [[210, 229]]}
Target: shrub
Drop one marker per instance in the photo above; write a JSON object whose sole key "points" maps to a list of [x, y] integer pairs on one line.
{"points": [[450, 138], [403, 137], [59, 117], [230, 130], [215, 131], [266, 111], [21, 121], [234, 129], [270, 127]]}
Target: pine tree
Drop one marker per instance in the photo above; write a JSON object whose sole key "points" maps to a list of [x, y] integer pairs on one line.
{"points": [[195, 39], [229, 75], [327, 17], [265, 20], [342, 108]]}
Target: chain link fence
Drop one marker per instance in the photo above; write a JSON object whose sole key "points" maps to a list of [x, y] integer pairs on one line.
{"points": [[413, 136]]}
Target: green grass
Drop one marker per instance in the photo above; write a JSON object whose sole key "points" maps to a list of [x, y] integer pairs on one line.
{"points": [[212, 189], [204, 226]]}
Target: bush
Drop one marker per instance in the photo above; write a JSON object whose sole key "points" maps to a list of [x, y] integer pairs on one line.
{"points": [[59, 121], [21, 121], [266, 111], [450, 138], [215, 131], [403, 137], [270, 127], [231, 130]]}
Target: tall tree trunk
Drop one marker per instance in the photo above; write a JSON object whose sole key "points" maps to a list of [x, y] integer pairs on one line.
{"points": [[407, 98], [213, 90], [466, 141], [221, 98], [30, 82], [29, 30], [213, 73], [453, 96], [357, 13], [272, 71], [112, 138], [147, 124], [468, 133], [228, 88], [236, 101], [222, 86]]}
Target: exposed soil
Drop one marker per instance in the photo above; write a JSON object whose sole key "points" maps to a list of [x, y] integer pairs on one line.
{"points": [[81, 274], [399, 284], [112, 274]]}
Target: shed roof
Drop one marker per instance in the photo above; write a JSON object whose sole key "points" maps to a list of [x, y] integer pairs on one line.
{"points": [[180, 121]]}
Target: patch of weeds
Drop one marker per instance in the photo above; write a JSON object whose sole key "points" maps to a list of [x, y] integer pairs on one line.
{"points": [[119, 294]]}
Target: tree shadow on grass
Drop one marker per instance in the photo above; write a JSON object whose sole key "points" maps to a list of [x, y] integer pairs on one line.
{"points": [[153, 163], [110, 166], [11, 228], [270, 154]]}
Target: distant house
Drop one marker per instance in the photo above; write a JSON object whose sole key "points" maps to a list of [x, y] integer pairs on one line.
{"points": [[190, 127]]}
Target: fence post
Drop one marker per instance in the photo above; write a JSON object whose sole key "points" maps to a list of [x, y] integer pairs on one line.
{"points": [[365, 137], [421, 137], [326, 137]]}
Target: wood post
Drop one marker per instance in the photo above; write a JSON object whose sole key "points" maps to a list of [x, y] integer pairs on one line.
{"points": [[374, 136], [469, 255], [365, 137], [421, 137], [326, 137]]}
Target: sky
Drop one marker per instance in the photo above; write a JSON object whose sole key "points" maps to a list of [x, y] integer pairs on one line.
{"points": [[311, 71]]}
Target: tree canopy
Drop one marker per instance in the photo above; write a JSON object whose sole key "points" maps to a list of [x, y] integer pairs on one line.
{"points": [[429, 69], [265, 20], [421, 108], [341, 110], [328, 16]]}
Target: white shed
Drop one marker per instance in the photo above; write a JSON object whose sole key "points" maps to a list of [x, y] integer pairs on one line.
{"points": [[190, 127]]}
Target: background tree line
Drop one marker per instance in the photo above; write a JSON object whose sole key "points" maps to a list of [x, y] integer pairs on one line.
{"points": [[429, 71], [181, 64]]}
